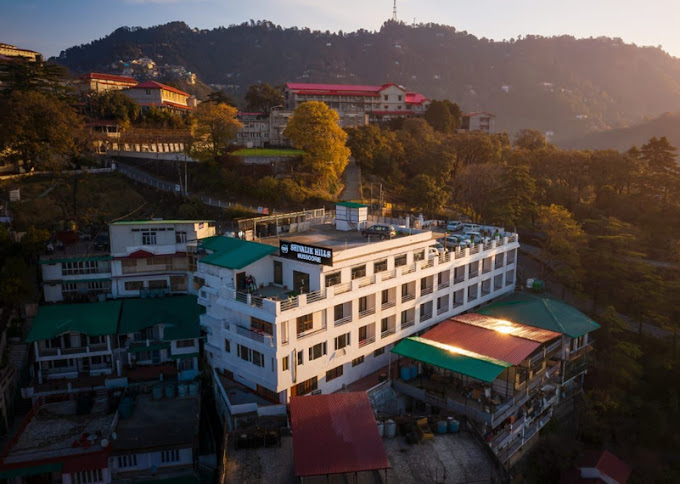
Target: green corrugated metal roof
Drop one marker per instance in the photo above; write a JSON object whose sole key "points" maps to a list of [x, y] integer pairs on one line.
{"points": [[433, 353], [541, 312], [76, 259], [234, 253], [96, 279], [31, 470], [179, 314], [92, 319], [160, 222], [351, 204]]}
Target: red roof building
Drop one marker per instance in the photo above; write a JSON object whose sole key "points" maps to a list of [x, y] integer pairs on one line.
{"points": [[380, 102], [597, 467], [335, 434], [152, 93], [98, 82]]}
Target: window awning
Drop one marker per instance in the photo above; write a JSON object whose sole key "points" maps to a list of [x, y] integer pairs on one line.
{"points": [[451, 358], [183, 356]]}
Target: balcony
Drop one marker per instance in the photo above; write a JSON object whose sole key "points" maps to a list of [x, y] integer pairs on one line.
{"points": [[388, 332], [366, 312], [311, 332], [457, 304], [486, 270], [407, 324], [443, 285], [257, 336], [388, 305], [473, 274], [460, 279], [342, 321], [342, 288], [425, 316], [471, 297], [425, 291], [442, 310], [509, 282], [366, 341], [365, 281], [408, 269], [386, 276], [498, 265], [407, 297]]}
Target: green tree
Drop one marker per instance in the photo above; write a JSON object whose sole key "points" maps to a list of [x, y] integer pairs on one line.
{"points": [[560, 250], [24, 76], [41, 131], [215, 126], [314, 128], [530, 139], [439, 117], [263, 97], [659, 155], [220, 97], [113, 105], [427, 194]]}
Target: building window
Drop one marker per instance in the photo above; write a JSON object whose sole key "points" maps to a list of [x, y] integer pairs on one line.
{"points": [[148, 92], [180, 237], [227, 346], [134, 285], [169, 456], [341, 341], [305, 387], [332, 279], [258, 359], [357, 361], [300, 357], [358, 272], [305, 323], [278, 272], [379, 352], [285, 363], [243, 352], [363, 304], [148, 238], [317, 351], [87, 477], [400, 261], [261, 326], [577, 342], [386, 97], [380, 266], [334, 373], [79, 267], [127, 461], [185, 343], [419, 256], [338, 312], [399, 97], [385, 296]]}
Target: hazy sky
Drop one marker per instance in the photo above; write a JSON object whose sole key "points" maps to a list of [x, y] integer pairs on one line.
{"points": [[50, 26]]}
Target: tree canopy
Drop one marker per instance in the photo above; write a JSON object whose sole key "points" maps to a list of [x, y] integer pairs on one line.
{"points": [[215, 125], [263, 97]]}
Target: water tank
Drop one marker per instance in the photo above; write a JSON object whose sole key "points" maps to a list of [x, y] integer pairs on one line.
{"points": [[157, 392], [530, 283], [441, 427], [405, 373], [170, 390], [414, 371], [390, 428], [454, 426], [193, 388], [182, 389], [105, 443], [381, 428]]}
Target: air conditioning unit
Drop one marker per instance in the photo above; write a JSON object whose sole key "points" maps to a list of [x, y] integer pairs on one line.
{"points": [[316, 392]]}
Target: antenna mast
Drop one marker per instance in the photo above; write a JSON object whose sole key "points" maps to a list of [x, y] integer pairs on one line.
{"points": [[394, 12]]}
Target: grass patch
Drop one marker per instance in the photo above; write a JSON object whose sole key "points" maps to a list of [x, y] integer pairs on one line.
{"points": [[267, 152]]}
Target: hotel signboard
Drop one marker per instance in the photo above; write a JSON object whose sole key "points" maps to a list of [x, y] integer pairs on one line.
{"points": [[306, 253]]}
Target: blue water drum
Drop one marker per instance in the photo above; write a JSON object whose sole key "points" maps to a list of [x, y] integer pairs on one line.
{"points": [[454, 426], [414, 371], [441, 427], [405, 373]]}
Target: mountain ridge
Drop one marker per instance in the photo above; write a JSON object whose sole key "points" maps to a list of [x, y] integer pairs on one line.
{"points": [[560, 84]]}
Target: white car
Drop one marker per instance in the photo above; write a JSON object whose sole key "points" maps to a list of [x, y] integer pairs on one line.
{"points": [[471, 228], [454, 226]]}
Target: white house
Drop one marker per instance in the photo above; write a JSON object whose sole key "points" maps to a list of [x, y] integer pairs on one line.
{"points": [[151, 256]]}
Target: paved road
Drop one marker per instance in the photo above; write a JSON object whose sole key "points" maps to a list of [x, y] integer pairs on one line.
{"points": [[352, 179]]}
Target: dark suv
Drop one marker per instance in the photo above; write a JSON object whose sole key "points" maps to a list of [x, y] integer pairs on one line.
{"points": [[380, 230]]}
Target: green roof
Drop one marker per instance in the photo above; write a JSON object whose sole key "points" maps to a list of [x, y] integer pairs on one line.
{"points": [[541, 312], [157, 222], [76, 259], [234, 253], [92, 319], [179, 314], [433, 353], [183, 356], [351, 204]]}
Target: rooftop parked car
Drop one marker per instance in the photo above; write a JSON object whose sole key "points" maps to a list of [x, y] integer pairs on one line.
{"points": [[471, 228], [454, 226], [380, 230]]}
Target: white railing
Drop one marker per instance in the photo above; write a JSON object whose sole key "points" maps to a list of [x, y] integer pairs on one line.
{"points": [[311, 332], [425, 316], [443, 285], [442, 310], [388, 305], [366, 342], [290, 304], [408, 297], [366, 281], [486, 270], [342, 288], [388, 275], [460, 279], [316, 296], [255, 336], [408, 269], [366, 312], [342, 321], [472, 297], [407, 324], [425, 291], [387, 332]]}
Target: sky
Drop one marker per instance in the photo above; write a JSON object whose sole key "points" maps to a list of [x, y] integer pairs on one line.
{"points": [[50, 26]]}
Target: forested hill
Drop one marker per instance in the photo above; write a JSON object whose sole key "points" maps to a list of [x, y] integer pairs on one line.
{"points": [[561, 84]]}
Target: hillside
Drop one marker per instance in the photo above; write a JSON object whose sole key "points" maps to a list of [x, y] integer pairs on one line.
{"points": [[561, 84], [667, 125]]}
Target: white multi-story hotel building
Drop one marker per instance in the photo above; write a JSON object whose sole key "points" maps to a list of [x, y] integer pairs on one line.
{"points": [[317, 310]]}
